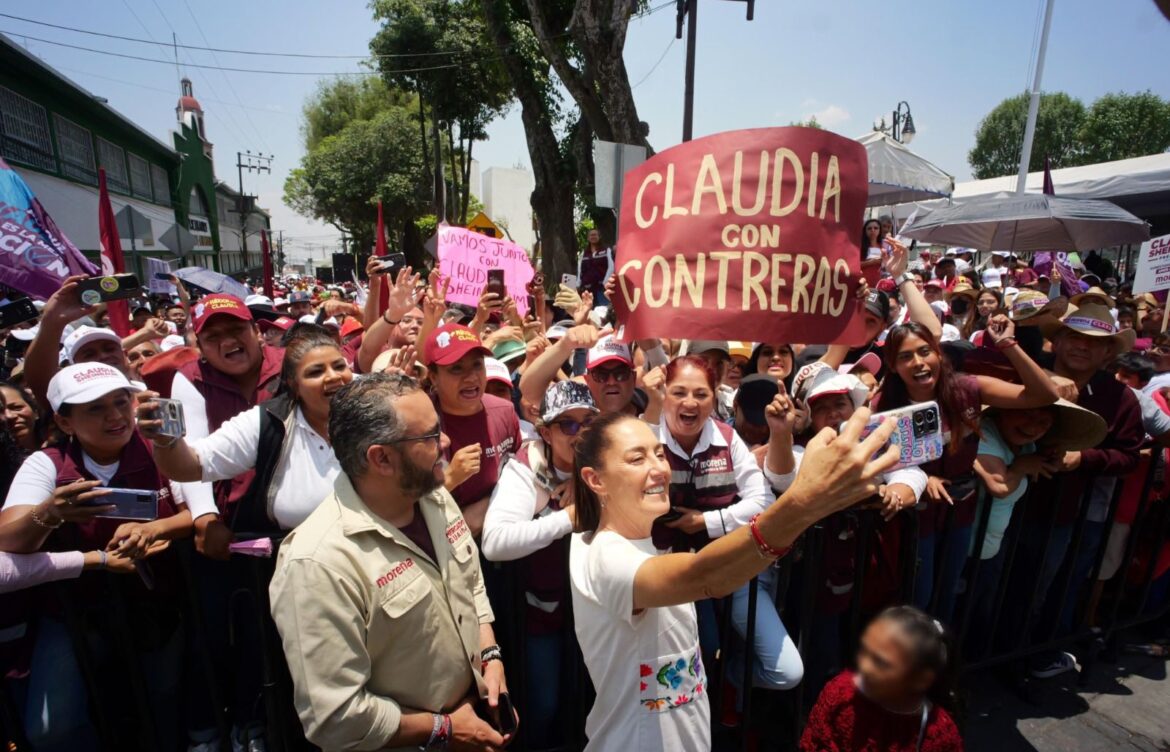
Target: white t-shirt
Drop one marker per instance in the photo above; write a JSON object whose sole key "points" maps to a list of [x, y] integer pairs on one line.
{"points": [[302, 479], [647, 668], [36, 480]]}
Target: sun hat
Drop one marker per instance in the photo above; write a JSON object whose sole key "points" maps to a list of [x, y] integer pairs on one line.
{"points": [[216, 305], [83, 335], [564, 396], [755, 393], [1073, 427], [742, 349], [963, 289], [1093, 321], [85, 382], [1093, 295], [497, 371], [449, 343], [606, 350], [1030, 307], [509, 350]]}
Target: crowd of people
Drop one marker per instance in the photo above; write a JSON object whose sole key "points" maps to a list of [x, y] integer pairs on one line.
{"points": [[384, 509]]}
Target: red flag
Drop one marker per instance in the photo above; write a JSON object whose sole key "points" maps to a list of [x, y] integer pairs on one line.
{"points": [[112, 262], [266, 255], [380, 250]]}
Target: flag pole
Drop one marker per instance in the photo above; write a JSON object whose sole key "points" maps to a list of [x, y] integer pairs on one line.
{"points": [[1034, 102]]}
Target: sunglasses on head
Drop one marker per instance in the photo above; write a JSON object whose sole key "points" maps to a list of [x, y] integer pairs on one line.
{"points": [[619, 375], [572, 427]]}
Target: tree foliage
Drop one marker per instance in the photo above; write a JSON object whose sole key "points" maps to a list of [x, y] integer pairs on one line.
{"points": [[1000, 135], [361, 148], [1117, 126], [1120, 126]]}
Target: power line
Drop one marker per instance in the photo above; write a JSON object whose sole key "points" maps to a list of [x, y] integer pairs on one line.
{"points": [[655, 66], [164, 91]]}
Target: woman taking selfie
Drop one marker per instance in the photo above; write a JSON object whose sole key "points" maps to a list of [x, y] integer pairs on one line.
{"points": [[918, 372], [634, 609], [285, 438], [55, 504]]}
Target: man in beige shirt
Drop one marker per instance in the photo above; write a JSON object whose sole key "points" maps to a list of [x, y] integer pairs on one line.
{"points": [[378, 594]]}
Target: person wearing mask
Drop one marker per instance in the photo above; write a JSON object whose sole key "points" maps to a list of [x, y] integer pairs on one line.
{"points": [[716, 488], [529, 519], [484, 430], [1083, 342], [378, 595], [54, 504], [285, 438], [633, 608], [918, 372]]}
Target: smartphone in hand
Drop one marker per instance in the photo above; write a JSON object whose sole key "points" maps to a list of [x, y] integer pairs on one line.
{"points": [[918, 433], [96, 290], [495, 283]]}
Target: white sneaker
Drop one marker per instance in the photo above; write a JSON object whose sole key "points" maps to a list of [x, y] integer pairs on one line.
{"points": [[1060, 663]]}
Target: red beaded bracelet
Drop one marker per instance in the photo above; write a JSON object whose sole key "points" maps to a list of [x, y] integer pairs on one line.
{"points": [[766, 550], [1006, 343]]}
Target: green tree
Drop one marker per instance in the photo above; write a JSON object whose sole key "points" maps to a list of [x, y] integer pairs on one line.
{"points": [[1000, 135], [812, 122], [359, 156], [1120, 126], [439, 50], [340, 101]]}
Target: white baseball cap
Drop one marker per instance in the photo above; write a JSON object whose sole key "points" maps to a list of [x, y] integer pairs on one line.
{"points": [[26, 335], [83, 335], [171, 341], [309, 318], [258, 300], [497, 371], [85, 382], [607, 349]]}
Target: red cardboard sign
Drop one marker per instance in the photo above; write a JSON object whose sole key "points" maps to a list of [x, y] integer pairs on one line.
{"points": [[746, 235]]}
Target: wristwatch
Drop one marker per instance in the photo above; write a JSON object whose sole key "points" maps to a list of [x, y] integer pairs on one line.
{"points": [[904, 278]]}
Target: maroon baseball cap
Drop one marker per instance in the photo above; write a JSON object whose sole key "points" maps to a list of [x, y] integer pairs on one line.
{"points": [[214, 305], [284, 323], [449, 343]]}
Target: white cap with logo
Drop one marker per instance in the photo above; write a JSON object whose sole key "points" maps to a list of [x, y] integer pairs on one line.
{"points": [[83, 335], [85, 382], [607, 349]]}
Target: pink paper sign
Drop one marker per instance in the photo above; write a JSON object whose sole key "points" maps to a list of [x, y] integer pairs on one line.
{"points": [[466, 255]]}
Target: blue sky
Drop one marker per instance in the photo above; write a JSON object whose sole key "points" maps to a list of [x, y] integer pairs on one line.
{"points": [[846, 61]]}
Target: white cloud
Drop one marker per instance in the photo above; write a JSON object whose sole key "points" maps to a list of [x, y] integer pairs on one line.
{"points": [[829, 116]]}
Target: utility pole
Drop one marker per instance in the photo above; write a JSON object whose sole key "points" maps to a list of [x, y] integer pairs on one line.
{"points": [[245, 204], [688, 9], [440, 180], [1034, 103]]}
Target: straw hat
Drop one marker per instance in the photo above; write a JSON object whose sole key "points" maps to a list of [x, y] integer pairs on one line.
{"points": [[1093, 295], [963, 288], [1073, 427], [1093, 321], [1031, 307]]}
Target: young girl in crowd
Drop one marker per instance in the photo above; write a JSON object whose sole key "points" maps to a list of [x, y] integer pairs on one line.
{"points": [[898, 698], [918, 372]]}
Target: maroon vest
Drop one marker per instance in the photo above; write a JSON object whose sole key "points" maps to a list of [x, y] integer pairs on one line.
{"points": [[706, 481], [224, 402], [545, 573]]}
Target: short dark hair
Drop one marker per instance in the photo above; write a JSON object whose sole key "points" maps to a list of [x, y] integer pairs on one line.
{"points": [[1137, 364], [362, 414]]}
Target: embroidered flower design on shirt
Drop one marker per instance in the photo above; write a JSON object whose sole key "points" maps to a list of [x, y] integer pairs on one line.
{"points": [[671, 675], [679, 681]]}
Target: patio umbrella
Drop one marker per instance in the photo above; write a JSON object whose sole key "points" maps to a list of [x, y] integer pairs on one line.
{"points": [[898, 175], [1028, 222], [211, 281]]}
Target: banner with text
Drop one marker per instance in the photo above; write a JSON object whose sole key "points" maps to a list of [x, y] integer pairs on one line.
{"points": [[1153, 266], [745, 235], [465, 257]]}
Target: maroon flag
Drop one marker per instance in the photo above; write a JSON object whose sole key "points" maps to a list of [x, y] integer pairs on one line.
{"points": [[1049, 188], [112, 262], [380, 250], [266, 255]]}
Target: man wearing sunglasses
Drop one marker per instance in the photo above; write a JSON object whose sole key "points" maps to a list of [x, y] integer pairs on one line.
{"points": [[378, 595]]}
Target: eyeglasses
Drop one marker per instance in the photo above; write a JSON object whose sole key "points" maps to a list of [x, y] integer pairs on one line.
{"points": [[620, 375], [435, 436], [572, 427]]}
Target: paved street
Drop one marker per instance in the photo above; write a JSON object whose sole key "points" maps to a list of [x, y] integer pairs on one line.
{"points": [[1122, 707]]}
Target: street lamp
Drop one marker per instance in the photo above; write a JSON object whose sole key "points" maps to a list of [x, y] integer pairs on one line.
{"points": [[902, 129]]}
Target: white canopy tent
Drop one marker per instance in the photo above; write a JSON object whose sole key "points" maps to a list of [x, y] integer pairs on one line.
{"points": [[898, 175]]}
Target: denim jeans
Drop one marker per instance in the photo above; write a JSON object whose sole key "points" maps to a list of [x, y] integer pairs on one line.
{"points": [[777, 663], [542, 676], [957, 542]]}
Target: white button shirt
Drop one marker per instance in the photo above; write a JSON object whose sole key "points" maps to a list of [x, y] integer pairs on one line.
{"points": [[303, 477]]}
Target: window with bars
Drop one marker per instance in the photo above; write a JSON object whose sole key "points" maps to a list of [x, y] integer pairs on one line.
{"points": [[111, 157], [75, 147], [162, 188], [139, 176], [24, 131]]}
